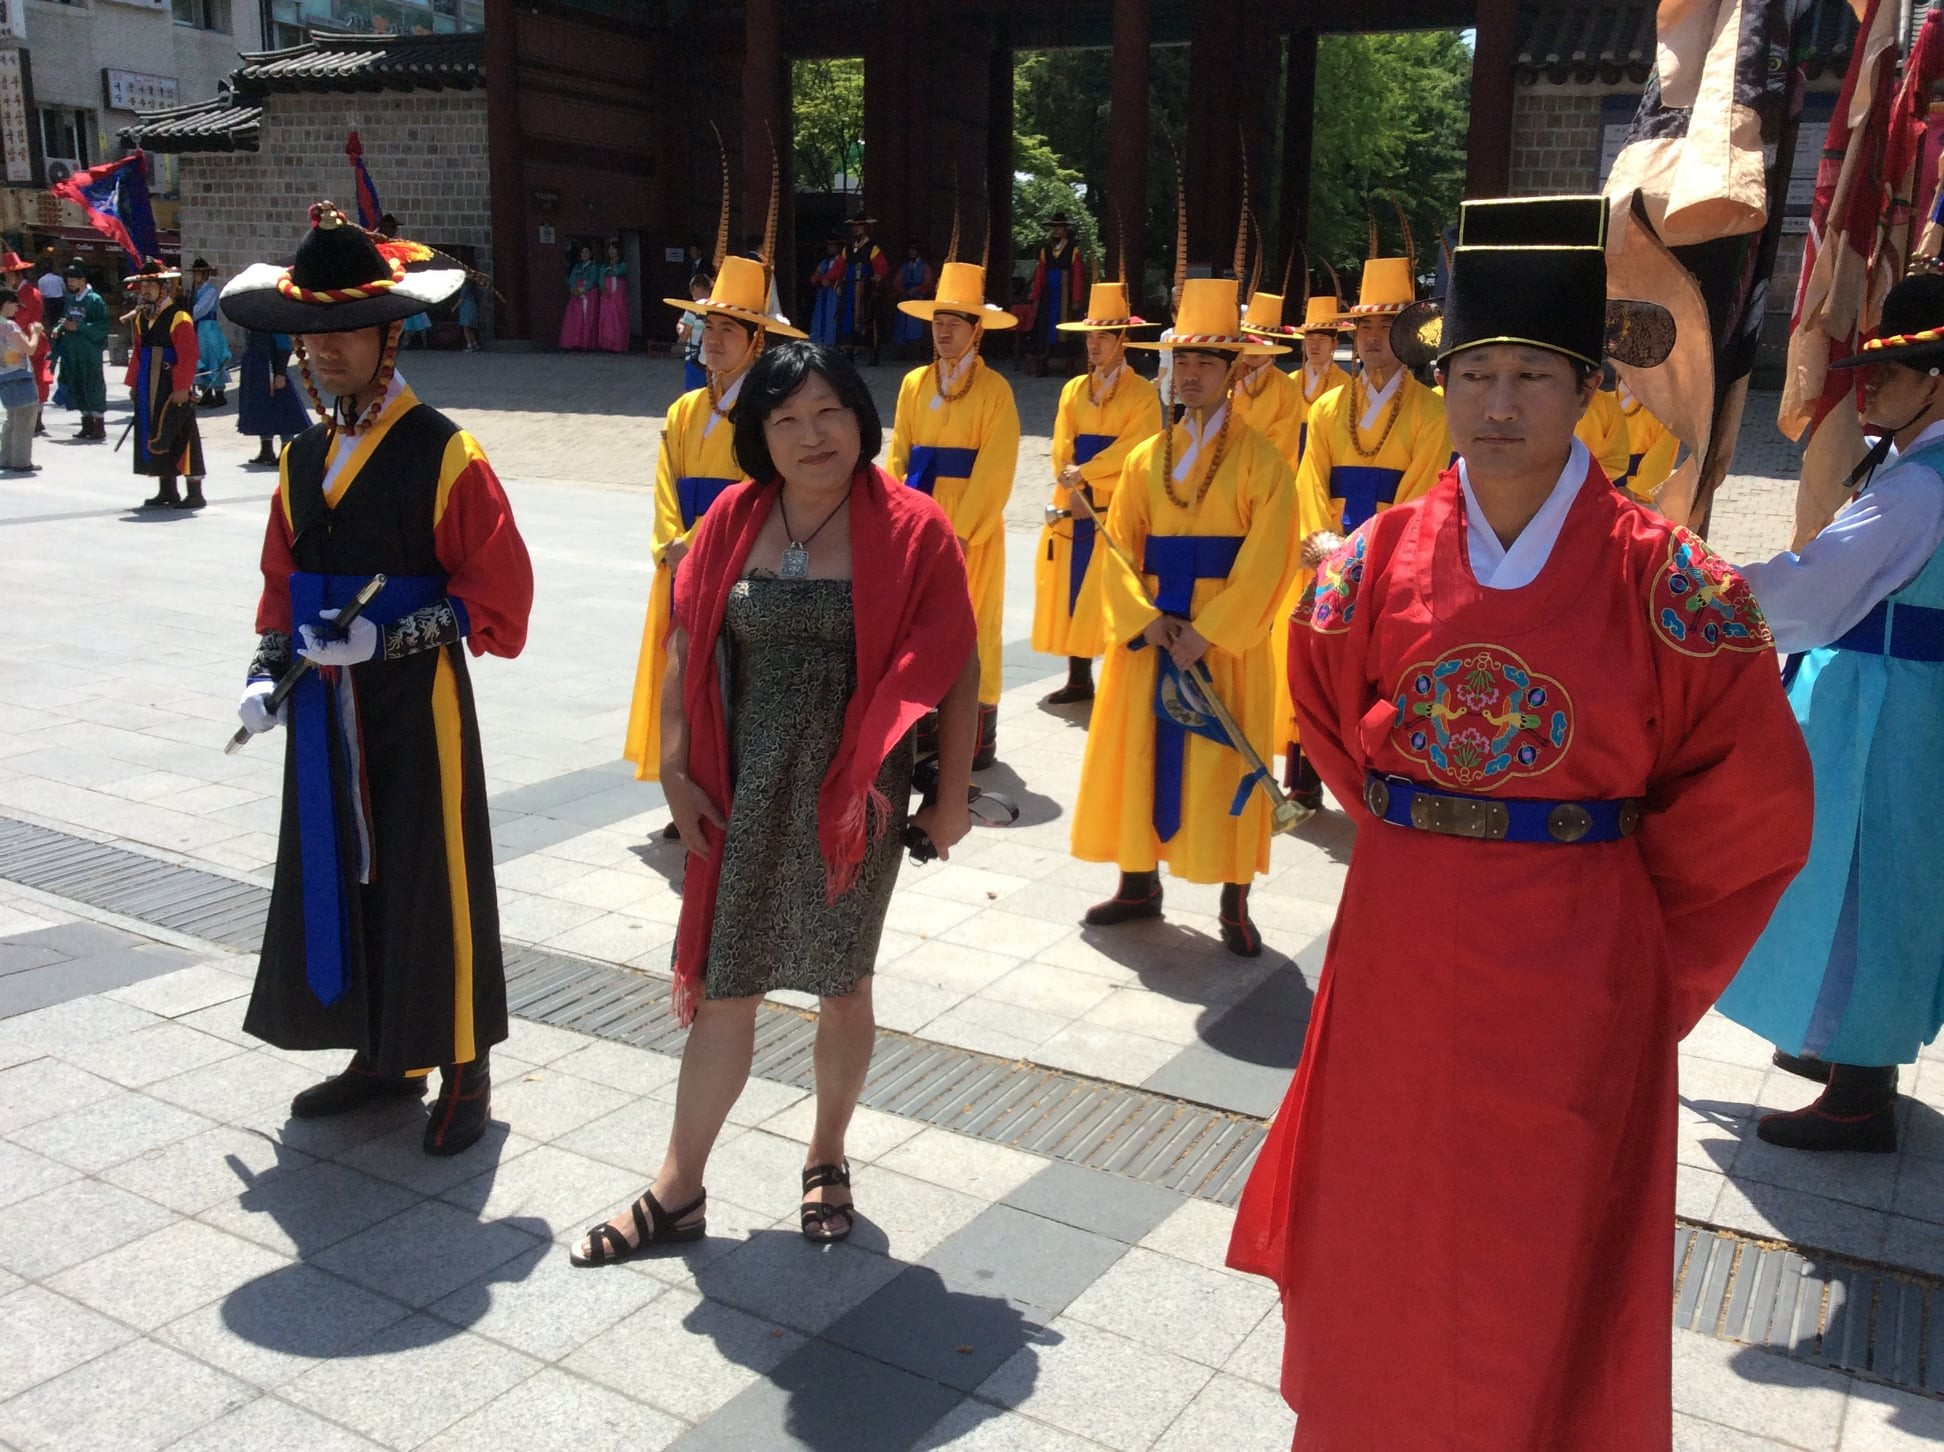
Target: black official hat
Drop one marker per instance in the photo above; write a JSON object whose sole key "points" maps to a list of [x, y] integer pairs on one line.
{"points": [[1532, 271], [342, 278], [1911, 330]]}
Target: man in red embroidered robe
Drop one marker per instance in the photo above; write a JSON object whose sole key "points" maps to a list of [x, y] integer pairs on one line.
{"points": [[1558, 723]]}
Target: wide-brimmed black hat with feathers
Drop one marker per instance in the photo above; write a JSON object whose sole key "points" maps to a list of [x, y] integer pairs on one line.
{"points": [[342, 278], [1532, 271], [1911, 329]]}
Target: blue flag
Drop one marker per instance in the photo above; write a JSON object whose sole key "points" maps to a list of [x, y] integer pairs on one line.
{"points": [[116, 199]]}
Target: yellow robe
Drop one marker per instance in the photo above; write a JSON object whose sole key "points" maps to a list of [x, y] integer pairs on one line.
{"points": [[1334, 376], [1652, 448], [1403, 468], [985, 420], [1131, 414], [687, 452], [1114, 818], [1271, 402], [1603, 430]]}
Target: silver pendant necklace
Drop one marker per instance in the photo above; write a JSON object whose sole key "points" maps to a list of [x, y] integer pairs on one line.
{"points": [[796, 554]]}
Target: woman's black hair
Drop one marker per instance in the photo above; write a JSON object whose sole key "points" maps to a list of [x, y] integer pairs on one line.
{"points": [[780, 372]]}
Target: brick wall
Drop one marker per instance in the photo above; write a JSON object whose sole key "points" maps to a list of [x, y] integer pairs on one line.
{"points": [[1555, 140], [426, 152]]}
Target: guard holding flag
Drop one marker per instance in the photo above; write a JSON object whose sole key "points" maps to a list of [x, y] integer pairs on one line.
{"points": [[383, 935], [1206, 511]]}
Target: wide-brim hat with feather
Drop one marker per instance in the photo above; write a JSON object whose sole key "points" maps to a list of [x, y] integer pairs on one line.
{"points": [[1108, 311], [1532, 271], [1911, 329], [1323, 314], [341, 278], [153, 269], [961, 289], [741, 291], [1264, 318], [1210, 319]]}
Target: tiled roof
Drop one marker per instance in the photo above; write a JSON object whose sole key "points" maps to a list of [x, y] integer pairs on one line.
{"points": [[218, 124], [1613, 40], [334, 62]]}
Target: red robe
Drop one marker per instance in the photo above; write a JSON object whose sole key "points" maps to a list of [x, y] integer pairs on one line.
{"points": [[33, 309], [1467, 1197]]}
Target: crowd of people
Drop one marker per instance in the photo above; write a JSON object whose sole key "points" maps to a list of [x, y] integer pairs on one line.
{"points": [[1557, 720]]}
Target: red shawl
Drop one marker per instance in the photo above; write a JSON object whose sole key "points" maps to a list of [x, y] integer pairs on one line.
{"points": [[915, 630]]}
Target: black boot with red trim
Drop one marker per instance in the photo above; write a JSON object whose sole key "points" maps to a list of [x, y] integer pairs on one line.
{"points": [[462, 1110], [1300, 780], [360, 1084], [1239, 933], [1139, 896], [1857, 1112], [988, 749]]}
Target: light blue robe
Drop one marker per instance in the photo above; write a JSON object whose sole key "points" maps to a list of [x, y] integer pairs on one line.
{"points": [[1851, 966]]}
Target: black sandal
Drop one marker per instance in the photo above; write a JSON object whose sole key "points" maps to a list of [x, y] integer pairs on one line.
{"points": [[816, 1215], [608, 1246]]}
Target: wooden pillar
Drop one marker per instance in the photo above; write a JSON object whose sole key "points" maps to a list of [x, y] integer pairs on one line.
{"points": [[505, 175], [895, 130], [1298, 143], [764, 137], [1127, 176], [1213, 157], [1488, 141], [999, 163]]}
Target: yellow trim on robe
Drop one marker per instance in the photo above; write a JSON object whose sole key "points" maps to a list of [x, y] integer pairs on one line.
{"points": [[461, 451], [1131, 415], [1113, 820], [1657, 444], [452, 787], [1275, 409], [986, 419], [362, 445], [686, 452], [1603, 430]]}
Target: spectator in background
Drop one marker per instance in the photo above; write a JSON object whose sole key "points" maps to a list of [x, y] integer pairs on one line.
{"points": [[18, 396]]}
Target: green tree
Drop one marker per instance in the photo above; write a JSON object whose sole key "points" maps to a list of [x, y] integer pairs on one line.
{"points": [[827, 97], [1045, 179]]}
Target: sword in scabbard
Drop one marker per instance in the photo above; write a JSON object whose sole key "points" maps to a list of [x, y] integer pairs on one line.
{"points": [[287, 683], [1284, 814]]}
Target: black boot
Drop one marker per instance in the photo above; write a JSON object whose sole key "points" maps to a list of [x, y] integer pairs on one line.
{"points": [[1807, 1065], [165, 494], [86, 431], [100, 429], [1239, 933], [1138, 896], [988, 749], [1300, 780], [194, 499], [222, 395], [927, 735], [460, 1113], [1079, 686], [1858, 1111], [356, 1087], [266, 453]]}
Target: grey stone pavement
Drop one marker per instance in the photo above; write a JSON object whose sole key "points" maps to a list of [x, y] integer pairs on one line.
{"points": [[181, 1266]]}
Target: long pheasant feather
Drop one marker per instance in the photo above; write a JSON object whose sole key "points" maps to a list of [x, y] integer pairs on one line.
{"points": [[1404, 226], [722, 223], [776, 196]]}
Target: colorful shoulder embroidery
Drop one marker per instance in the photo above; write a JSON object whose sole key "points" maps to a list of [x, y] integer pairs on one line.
{"points": [[1700, 606], [1479, 717], [1329, 605]]}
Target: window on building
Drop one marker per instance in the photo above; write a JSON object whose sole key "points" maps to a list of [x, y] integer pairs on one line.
{"points": [[203, 14], [67, 134]]}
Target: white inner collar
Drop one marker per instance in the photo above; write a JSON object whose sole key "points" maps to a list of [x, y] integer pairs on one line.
{"points": [[724, 403], [1379, 398], [950, 375], [1501, 567], [1198, 433]]}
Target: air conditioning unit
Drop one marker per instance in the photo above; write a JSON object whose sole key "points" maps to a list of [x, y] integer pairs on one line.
{"points": [[59, 170]]}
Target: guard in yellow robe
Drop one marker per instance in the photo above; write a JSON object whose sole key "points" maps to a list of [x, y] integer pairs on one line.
{"points": [[1652, 447], [1266, 398], [1102, 414], [956, 436], [697, 462], [1206, 509], [1603, 429], [1319, 373]]}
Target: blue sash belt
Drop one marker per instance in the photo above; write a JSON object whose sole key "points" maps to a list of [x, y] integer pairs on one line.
{"points": [[929, 465], [695, 493], [1086, 448], [1902, 632], [1625, 481], [1177, 561], [1362, 488], [1403, 803], [313, 716]]}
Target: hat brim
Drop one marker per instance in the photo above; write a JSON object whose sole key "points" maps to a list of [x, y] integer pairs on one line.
{"points": [[922, 308], [1911, 355], [1350, 317], [782, 327], [1242, 347], [168, 275], [251, 300], [1638, 334], [1097, 325], [1272, 334]]}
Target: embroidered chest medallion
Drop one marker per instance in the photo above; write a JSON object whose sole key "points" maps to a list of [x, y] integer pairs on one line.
{"points": [[1479, 717], [1700, 606]]}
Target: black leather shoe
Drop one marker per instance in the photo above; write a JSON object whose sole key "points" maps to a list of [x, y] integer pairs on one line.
{"points": [[1814, 1129], [1139, 896], [462, 1110], [1239, 933], [356, 1087], [1807, 1065], [194, 498], [1070, 695]]}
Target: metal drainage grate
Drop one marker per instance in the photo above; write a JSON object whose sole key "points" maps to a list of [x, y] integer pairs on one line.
{"points": [[1870, 1321], [1183, 1146]]}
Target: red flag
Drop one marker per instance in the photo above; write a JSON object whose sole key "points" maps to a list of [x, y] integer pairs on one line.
{"points": [[370, 210]]}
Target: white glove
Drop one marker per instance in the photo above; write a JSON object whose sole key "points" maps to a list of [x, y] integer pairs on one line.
{"points": [[360, 643], [254, 709]]}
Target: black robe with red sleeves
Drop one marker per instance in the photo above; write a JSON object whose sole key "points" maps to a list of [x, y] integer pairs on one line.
{"points": [[383, 773]]}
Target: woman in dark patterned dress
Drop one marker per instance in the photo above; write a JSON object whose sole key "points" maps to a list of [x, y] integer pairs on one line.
{"points": [[794, 682]]}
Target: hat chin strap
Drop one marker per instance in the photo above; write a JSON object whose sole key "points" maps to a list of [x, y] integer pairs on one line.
{"points": [[333, 413]]}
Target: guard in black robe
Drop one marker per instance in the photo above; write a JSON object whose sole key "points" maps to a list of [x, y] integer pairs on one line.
{"points": [[383, 934], [161, 378]]}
